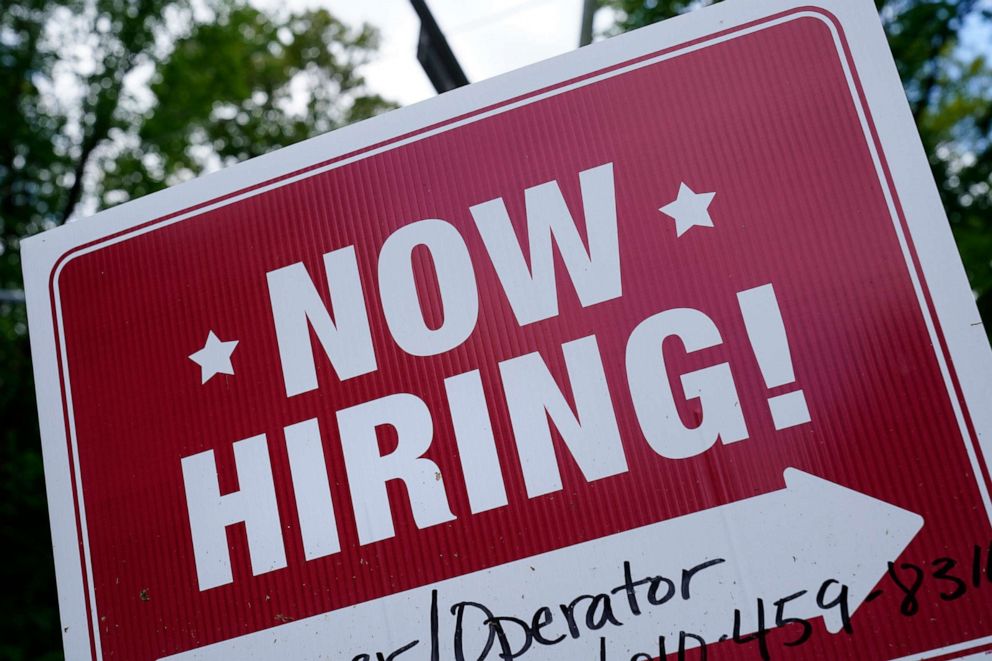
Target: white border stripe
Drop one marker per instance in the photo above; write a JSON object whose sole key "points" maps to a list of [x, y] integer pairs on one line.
{"points": [[950, 649]]}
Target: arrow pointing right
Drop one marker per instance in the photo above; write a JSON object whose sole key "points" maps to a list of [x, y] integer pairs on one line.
{"points": [[796, 538], [773, 545]]}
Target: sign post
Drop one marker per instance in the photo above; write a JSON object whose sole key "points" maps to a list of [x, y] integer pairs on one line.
{"points": [[660, 345]]}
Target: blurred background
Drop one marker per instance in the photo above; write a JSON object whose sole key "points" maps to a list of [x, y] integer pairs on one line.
{"points": [[108, 100]]}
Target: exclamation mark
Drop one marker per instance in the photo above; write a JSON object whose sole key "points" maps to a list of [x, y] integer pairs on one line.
{"points": [[766, 330]]}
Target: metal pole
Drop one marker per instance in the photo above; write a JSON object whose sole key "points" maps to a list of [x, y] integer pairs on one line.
{"points": [[434, 53], [589, 8]]}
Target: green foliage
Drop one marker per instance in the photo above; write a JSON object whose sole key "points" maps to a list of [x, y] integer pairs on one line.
{"points": [[225, 82], [237, 87], [29, 628], [32, 167], [949, 88]]}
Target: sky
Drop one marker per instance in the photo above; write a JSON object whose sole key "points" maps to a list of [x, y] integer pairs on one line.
{"points": [[488, 38]]}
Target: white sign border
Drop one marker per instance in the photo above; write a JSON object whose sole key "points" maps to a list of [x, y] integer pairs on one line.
{"points": [[955, 308]]}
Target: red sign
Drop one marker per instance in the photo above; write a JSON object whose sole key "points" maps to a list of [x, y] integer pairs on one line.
{"points": [[661, 344]]}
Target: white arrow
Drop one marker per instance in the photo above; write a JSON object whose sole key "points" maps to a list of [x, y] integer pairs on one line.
{"points": [[789, 540], [773, 546]]}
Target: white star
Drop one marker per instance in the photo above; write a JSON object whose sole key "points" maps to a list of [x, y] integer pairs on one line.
{"points": [[689, 210], [214, 357]]}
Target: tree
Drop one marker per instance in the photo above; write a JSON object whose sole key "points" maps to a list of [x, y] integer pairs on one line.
{"points": [[949, 87], [107, 100]]}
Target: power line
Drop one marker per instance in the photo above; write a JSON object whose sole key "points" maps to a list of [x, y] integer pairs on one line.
{"points": [[496, 16]]}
